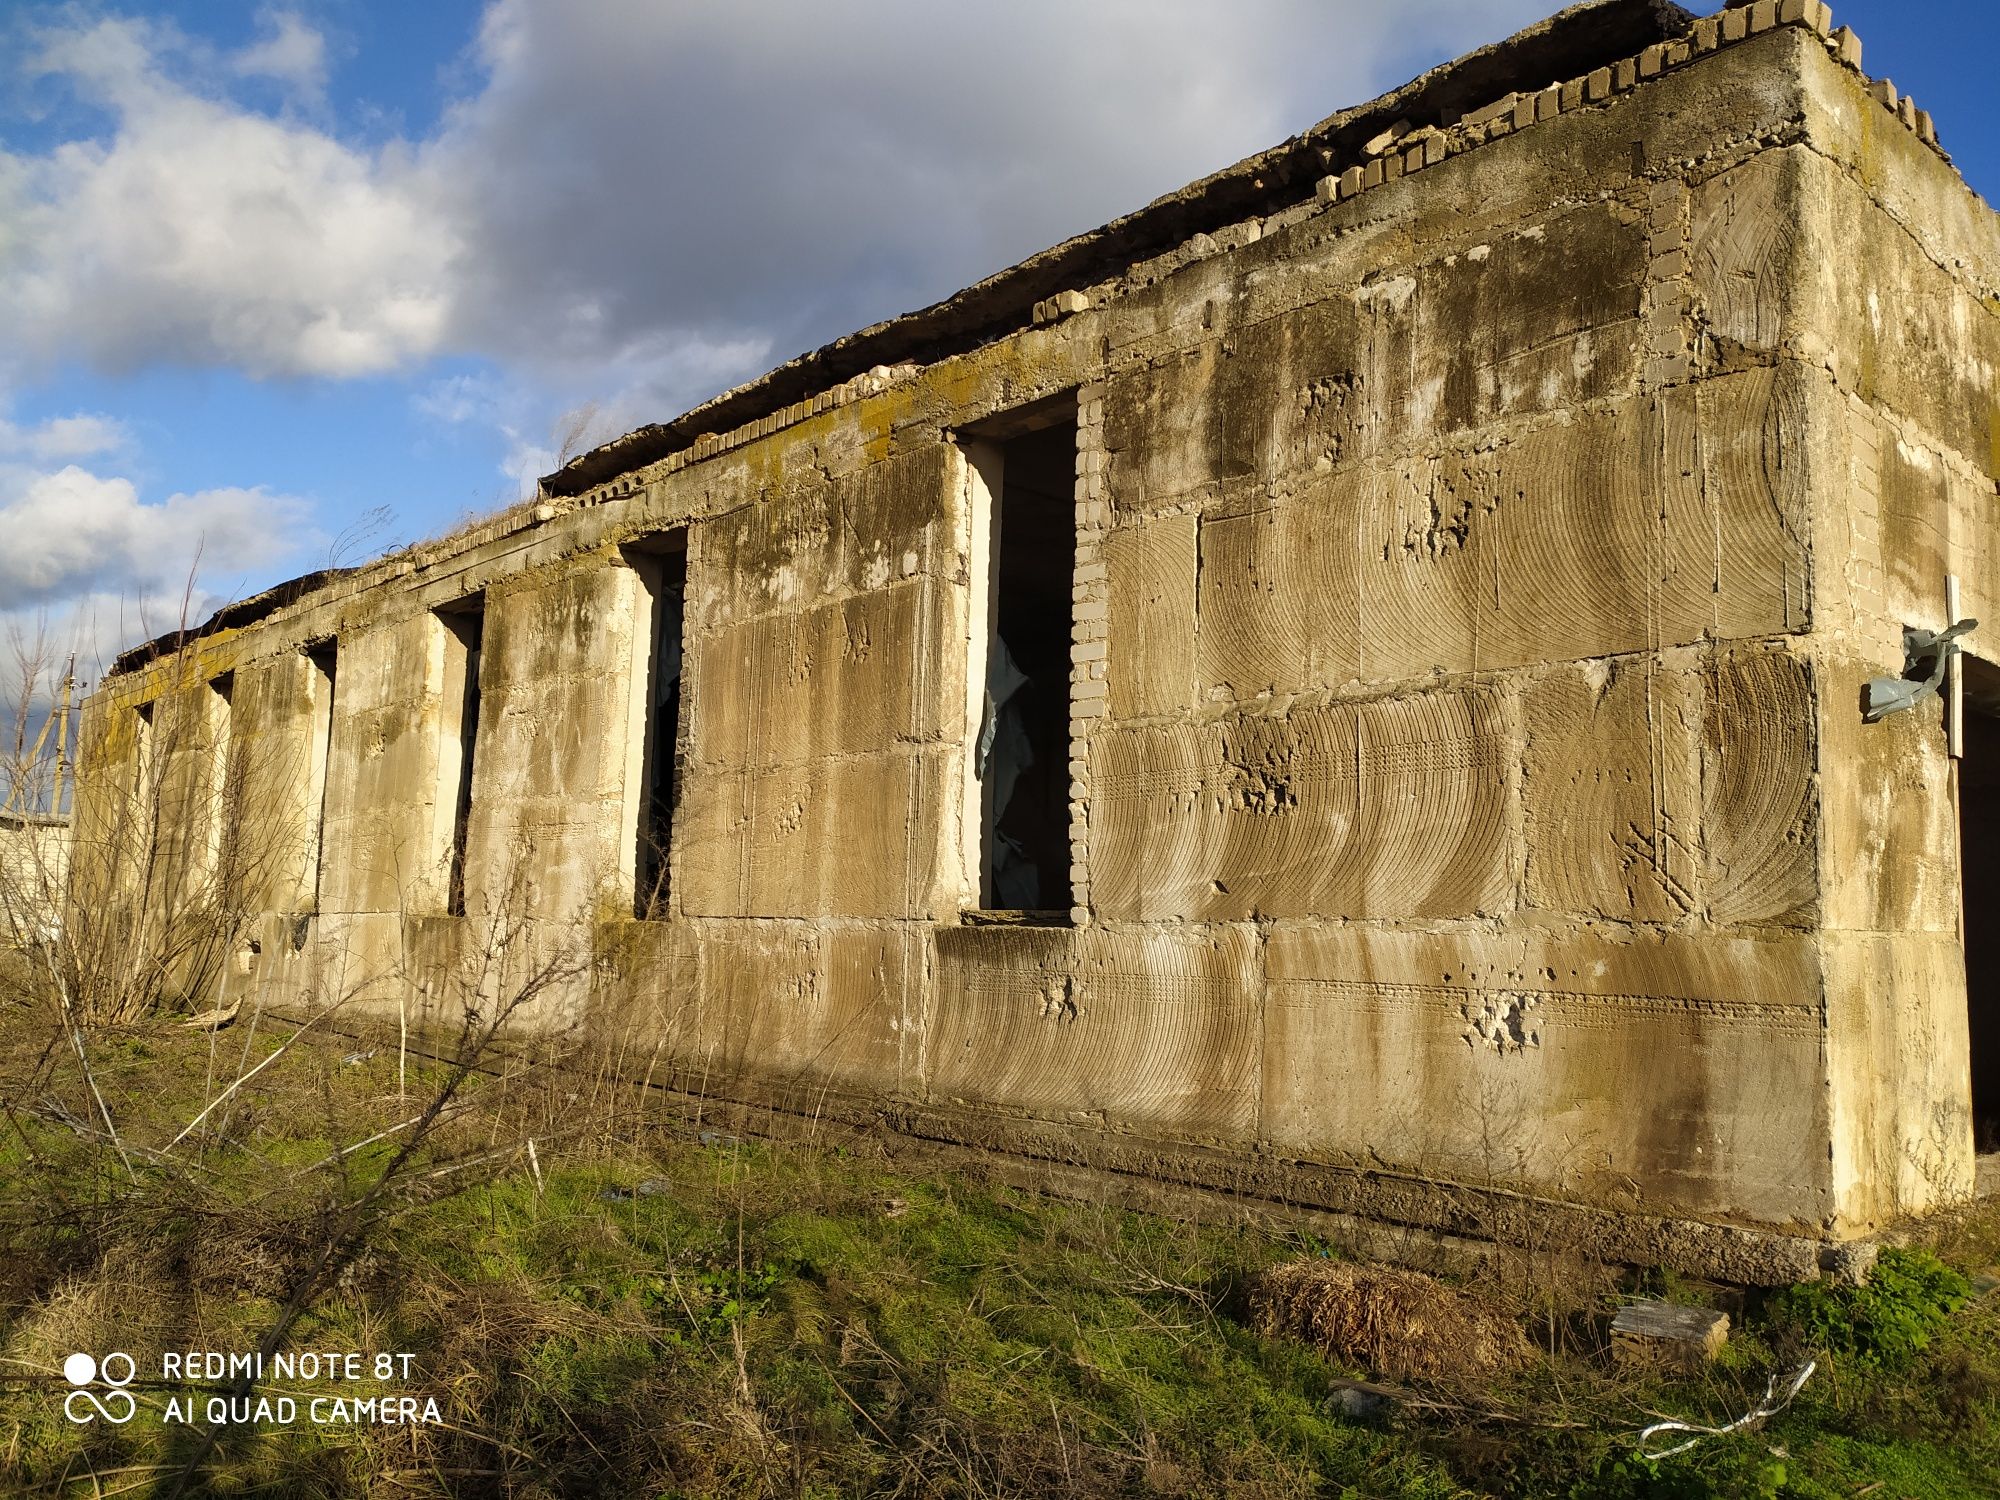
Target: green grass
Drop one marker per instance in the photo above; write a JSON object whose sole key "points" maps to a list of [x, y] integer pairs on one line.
{"points": [[790, 1321], [893, 1329]]}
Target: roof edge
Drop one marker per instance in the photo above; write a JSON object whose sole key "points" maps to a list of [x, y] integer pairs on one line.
{"points": [[230, 617], [1570, 43]]}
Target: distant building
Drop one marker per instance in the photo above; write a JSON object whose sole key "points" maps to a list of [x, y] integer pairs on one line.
{"points": [[34, 867], [1343, 686]]}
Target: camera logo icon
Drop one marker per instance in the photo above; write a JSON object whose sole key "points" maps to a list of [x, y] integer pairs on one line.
{"points": [[115, 1370]]}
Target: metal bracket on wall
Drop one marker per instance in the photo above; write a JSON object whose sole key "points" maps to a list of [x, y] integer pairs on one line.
{"points": [[1925, 656]]}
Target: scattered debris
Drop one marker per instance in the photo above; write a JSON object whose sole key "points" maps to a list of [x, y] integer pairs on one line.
{"points": [[1770, 1406], [51, 1108], [1925, 656], [214, 1020], [1652, 1333], [1364, 1400], [535, 1164], [1387, 139], [1399, 1322], [652, 1187]]}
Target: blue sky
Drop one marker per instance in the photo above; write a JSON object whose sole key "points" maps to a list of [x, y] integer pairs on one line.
{"points": [[265, 268]]}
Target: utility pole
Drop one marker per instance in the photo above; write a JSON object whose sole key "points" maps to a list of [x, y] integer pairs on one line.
{"points": [[23, 790], [62, 736]]}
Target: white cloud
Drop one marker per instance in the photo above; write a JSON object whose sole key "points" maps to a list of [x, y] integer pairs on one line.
{"points": [[89, 567], [73, 532], [289, 51], [201, 233], [58, 438]]}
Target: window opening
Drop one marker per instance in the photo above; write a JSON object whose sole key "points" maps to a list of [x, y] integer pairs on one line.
{"points": [[1979, 872], [464, 627], [323, 660], [662, 565], [1021, 758]]}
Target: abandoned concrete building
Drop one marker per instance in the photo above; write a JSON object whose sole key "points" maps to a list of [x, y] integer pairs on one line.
{"points": [[1344, 687]]}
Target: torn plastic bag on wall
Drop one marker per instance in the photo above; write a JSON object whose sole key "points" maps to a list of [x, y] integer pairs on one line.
{"points": [[1925, 652]]}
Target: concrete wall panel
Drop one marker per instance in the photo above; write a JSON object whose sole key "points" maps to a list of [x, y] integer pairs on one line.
{"points": [[1156, 1029], [853, 677], [1613, 791], [1677, 1074], [1890, 838], [1898, 1053], [1906, 336], [819, 537], [1279, 597], [381, 782], [1390, 809], [1743, 244], [793, 1006], [1400, 354], [1152, 571], [275, 716], [1661, 522], [857, 837], [1760, 797], [550, 833]]}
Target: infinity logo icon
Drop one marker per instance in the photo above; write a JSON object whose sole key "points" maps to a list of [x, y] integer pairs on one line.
{"points": [[80, 1370]]}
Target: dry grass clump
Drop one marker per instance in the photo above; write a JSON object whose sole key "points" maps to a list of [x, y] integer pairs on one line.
{"points": [[1401, 1323]]}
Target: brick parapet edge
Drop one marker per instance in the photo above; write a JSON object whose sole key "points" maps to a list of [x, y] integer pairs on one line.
{"points": [[1515, 111]]}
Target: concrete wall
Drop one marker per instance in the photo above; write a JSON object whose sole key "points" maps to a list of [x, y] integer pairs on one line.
{"points": [[1897, 321], [1473, 586]]}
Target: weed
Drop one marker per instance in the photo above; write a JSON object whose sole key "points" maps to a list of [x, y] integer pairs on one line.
{"points": [[1630, 1476], [1886, 1322]]}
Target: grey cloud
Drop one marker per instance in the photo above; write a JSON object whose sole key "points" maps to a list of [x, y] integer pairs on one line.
{"points": [[790, 170]]}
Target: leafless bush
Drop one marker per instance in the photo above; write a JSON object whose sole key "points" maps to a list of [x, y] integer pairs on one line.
{"points": [[203, 1198], [138, 900]]}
